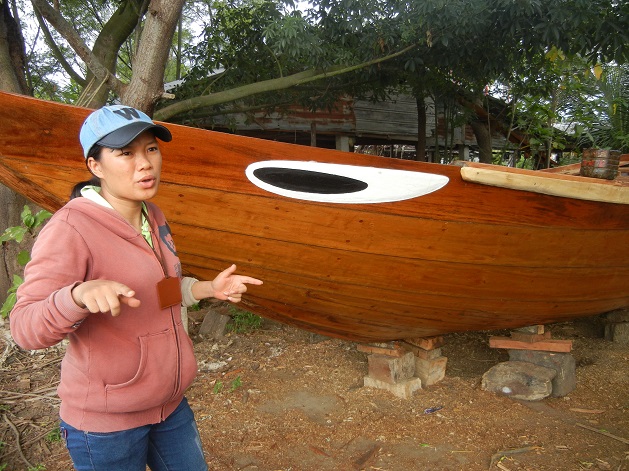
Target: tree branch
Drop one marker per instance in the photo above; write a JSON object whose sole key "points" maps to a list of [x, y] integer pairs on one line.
{"points": [[266, 86], [57, 52], [69, 33]]}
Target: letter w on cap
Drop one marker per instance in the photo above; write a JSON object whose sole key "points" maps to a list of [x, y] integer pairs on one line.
{"points": [[128, 113]]}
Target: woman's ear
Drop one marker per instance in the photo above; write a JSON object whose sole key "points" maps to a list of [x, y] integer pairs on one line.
{"points": [[94, 167]]}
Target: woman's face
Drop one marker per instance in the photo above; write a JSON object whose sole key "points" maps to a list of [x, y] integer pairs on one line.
{"points": [[131, 174]]}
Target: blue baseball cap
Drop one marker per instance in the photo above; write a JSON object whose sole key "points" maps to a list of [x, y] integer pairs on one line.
{"points": [[116, 126]]}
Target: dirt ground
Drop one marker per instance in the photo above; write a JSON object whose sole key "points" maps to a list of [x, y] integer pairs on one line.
{"points": [[280, 399]]}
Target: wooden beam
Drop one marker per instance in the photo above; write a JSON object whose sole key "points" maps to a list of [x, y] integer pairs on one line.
{"points": [[561, 346], [566, 187]]}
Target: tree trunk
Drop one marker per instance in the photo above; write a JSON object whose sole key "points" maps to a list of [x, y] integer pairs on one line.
{"points": [[147, 82], [113, 35], [483, 139], [12, 56], [421, 129], [12, 79]]}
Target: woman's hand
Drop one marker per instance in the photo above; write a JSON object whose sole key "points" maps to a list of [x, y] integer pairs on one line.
{"points": [[103, 296], [226, 286]]}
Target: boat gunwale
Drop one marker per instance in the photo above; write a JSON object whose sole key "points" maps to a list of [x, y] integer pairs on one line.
{"points": [[554, 183]]}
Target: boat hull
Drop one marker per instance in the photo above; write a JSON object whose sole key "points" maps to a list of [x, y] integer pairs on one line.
{"points": [[465, 256]]}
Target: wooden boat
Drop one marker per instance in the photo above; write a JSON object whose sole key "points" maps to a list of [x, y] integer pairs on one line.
{"points": [[355, 246]]}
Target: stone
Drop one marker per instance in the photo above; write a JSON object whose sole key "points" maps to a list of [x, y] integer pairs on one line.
{"points": [[430, 371], [562, 363], [618, 333], [214, 324], [403, 389], [391, 369], [317, 338], [519, 380], [619, 315]]}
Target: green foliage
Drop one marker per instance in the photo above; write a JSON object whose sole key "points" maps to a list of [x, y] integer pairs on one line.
{"points": [[30, 222], [605, 120], [235, 384], [54, 435], [219, 386], [461, 45], [243, 321], [9, 302]]}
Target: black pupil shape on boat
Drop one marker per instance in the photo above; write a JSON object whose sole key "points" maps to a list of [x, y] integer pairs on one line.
{"points": [[308, 181]]}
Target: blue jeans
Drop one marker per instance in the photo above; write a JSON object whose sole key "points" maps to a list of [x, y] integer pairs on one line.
{"points": [[172, 445]]}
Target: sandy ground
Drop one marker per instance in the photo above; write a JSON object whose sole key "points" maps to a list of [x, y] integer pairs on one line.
{"points": [[279, 398]]}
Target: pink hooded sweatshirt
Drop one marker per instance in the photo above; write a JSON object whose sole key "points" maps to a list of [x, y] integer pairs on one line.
{"points": [[118, 372]]}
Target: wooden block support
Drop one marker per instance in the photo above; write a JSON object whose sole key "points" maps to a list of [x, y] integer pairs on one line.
{"points": [[532, 329], [426, 354], [562, 346], [426, 343], [530, 338], [392, 349]]}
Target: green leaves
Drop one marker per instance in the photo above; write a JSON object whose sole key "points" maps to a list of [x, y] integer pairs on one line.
{"points": [[9, 302], [15, 233], [33, 221], [30, 222]]}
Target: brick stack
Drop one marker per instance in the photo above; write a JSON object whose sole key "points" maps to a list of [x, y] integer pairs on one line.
{"points": [[403, 367]]}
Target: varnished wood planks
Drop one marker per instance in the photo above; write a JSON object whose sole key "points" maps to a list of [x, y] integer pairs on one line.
{"points": [[467, 257]]}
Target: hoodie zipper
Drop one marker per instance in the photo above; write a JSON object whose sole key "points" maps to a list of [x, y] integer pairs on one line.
{"points": [[177, 383]]}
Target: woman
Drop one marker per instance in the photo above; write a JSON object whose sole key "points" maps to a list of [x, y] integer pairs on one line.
{"points": [[105, 274]]}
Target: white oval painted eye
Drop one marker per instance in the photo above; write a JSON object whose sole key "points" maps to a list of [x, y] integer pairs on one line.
{"points": [[338, 183]]}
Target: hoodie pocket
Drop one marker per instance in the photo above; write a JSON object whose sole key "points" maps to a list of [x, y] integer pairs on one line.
{"points": [[155, 380]]}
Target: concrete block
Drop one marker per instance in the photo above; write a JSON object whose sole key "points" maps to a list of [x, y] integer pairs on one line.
{"points": [[562, 363], [403, 389], [391, 369], [520, 380], [430, 371]]}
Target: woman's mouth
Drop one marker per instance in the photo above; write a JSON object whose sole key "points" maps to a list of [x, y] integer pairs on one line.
{"points": [[147, 182]]}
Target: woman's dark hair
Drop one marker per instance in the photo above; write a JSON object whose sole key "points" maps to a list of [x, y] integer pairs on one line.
{"points": [[95, 154]]}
